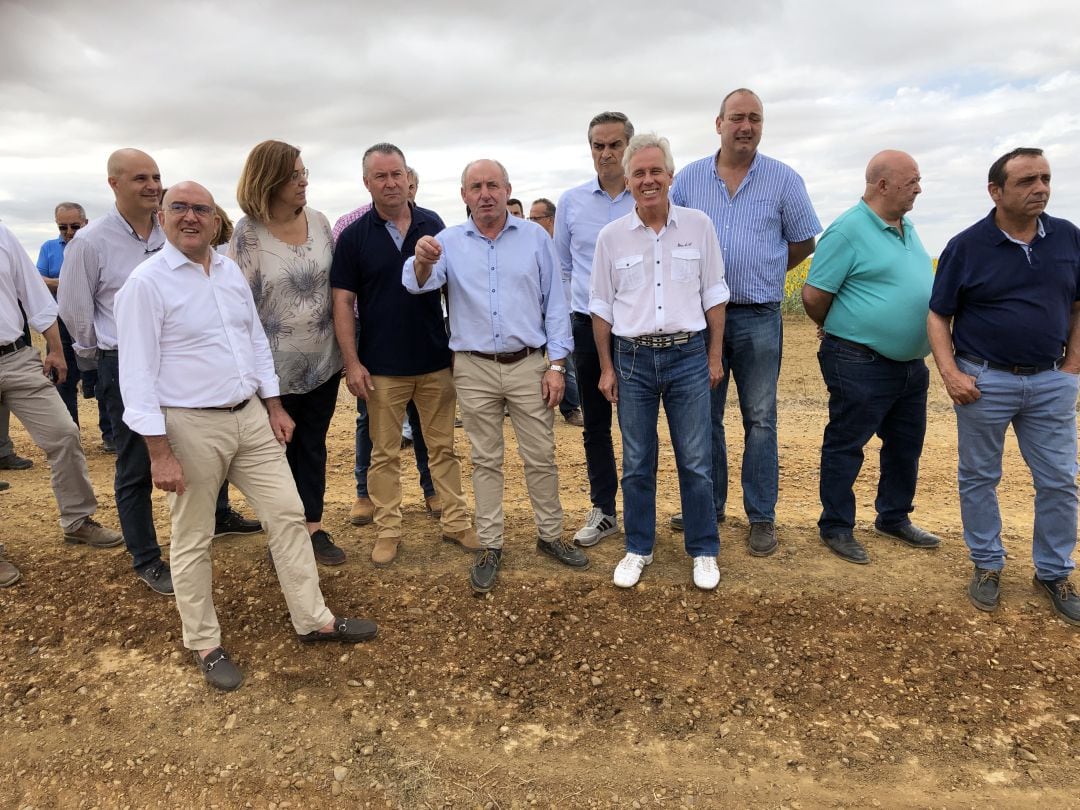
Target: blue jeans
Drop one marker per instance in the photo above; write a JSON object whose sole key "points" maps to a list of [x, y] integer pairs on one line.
{"points": [[679, 376], [132, 483], [869, 394], [363, 450], [596, 414], [753, 338], [1042, 410]]}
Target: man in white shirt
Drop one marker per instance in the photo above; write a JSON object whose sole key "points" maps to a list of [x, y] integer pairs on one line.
{"points": [[657, 283], [187, 315], [26, 387]]}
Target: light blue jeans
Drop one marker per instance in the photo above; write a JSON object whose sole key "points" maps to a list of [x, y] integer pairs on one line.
{"points": [[1042, 410]]}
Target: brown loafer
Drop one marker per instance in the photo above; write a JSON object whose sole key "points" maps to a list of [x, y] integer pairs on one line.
{"points": [[384, 551], [465, 538]]}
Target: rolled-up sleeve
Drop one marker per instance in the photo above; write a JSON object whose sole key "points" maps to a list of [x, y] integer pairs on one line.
{"points": [[602, 292], [139, 314], [714, 288], [30, 289]]}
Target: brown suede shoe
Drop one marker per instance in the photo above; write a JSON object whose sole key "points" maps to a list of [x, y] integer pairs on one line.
{"points": [[9, 574], [92, 533], [466, 538], [385, 551], [362, 512], [434, 506]]}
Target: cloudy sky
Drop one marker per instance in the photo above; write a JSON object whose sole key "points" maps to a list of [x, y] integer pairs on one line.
{"points": [[197, 84]]}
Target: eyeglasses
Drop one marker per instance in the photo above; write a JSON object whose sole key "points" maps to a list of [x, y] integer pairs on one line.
{"points": [[542, 216], [71, 228], [297, 175], [198, 209]]}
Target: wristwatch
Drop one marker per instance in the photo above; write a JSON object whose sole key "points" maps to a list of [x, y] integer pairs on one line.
{"points": [[557, 367]]}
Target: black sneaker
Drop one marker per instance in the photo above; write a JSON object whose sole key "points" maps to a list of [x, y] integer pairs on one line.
{"points": [[1063, 597], [485, 569], [326, 552], [232, 522], [157, 577], [566, 553], [984, 589], [219, 671], [15, 462], [846, 547]]}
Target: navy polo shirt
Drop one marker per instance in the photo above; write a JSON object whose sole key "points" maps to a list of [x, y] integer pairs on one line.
{"points": [[1008, 307], [400, 335]]}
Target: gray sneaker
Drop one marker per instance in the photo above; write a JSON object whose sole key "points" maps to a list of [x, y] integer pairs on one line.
{"points": [[157, 578], [762, 539], [985, 588], [597, 527], [92, 533]]}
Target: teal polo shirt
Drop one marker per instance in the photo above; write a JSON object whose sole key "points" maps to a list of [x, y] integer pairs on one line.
{"points": [[880, 279]]}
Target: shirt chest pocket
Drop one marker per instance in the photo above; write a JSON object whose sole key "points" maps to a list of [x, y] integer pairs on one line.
{"points": [[686, 265], [630, 272]]}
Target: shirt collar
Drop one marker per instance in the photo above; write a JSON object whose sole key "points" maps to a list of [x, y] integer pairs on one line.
{"points": [[175, 259], [599, 189], [753, 163], [882, 224], [996, 236], [511, 222], [156, 239], [634, 221]]}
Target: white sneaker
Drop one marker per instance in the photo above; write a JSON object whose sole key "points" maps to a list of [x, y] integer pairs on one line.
{"points": [[597, 526], [706, 573], [628, 571]]}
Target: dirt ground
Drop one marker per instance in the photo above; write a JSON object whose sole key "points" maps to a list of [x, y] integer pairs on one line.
{"points": [[801, 682]]}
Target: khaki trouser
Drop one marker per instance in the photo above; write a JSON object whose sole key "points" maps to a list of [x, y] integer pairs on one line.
{"points": [[435, 402], [212, 445], [483, 386], [30, 395]]}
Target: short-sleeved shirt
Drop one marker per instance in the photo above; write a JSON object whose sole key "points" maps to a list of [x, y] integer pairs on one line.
{"points": [[880, 277], [51, 258], [400, 335], [768, 211], [1009, 305]]}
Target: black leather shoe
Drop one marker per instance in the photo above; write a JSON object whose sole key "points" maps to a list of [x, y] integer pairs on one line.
{"points": [[846, 547], [15, 462], [219, 671], [1063, 597], [326, 553], [232, 522], [485, 569], [676, 521], [566, 553], [984, 589], [347, 631], [910, 534], [762, 539]]}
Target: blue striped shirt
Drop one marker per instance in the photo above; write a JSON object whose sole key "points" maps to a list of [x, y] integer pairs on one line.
{"points": [[769, 210], [581, 213], [504, 294]]}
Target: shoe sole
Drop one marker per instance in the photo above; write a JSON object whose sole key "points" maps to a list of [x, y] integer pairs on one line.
{"points": [[329, 561], [844, 557], [361, 521], [884, 533], [564, 562], [11, 582], [339, 639], [590, 543], [766, 553], [1053, 606], [76, 541], [153, 589]]}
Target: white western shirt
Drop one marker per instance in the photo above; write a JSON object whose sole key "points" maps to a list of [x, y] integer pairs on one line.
{"points": [[648, 283], [97, 262], [191, 340], [20, 281]]}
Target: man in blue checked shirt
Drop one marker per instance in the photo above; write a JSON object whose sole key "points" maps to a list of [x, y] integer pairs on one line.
{"points": [[507, 305], [766, 226]]}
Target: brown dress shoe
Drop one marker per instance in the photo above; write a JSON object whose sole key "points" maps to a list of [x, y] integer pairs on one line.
{"points": [[362, 512], [434, 506], [385, 551], [466, 538]]}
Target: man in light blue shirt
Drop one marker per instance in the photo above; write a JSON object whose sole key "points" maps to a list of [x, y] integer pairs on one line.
{"points": [[507, 305], [869, 289], [766, 226], [581, 213]]}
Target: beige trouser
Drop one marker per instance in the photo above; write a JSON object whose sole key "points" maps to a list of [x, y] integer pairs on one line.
{"points": [[30, 395], [435, 402], [212, 445], [483, 386]]}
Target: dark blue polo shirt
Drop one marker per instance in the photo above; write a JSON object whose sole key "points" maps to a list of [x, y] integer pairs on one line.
{"points": [[400, 335], [1005, 308]]}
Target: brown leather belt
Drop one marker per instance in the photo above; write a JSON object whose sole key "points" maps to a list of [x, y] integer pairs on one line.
{"points": [[506, 357], [229, 408]]}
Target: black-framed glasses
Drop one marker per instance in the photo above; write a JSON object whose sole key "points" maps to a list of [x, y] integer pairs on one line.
{"points": [[71, 228], [198, 209]]}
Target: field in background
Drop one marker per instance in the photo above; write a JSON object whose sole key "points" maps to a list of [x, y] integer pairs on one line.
{"points": [[793, 286]]}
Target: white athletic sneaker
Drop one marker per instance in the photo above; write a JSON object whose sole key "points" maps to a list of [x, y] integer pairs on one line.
{"points": [[706, 573], [628, 571], [597, 526]]}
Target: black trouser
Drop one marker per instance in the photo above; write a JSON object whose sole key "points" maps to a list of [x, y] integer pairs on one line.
{"points": [[596, 413], [306, 452]]}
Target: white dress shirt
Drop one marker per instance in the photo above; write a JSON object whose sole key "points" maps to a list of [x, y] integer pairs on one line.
{"points": [[649, 283], [20, 281], [191, 340], [97, 262]]}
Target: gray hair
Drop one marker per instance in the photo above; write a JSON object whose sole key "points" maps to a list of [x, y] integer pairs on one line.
{"points": [[69, 206], [383, 149], [471, 163], [647, 140], [610, 117]]}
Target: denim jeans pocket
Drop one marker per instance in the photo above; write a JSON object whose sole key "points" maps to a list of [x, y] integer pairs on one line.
{"points": [[625, 355]]}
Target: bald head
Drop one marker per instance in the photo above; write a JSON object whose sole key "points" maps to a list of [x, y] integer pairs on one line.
{"points": [[190, 221], [122, 160], [136, 181], [892, 184], [190, 192]]}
